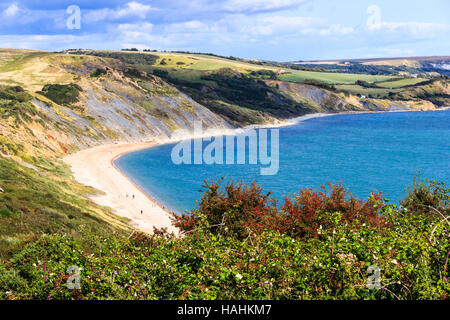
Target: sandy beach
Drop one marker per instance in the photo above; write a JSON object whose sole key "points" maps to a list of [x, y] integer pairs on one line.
{"points": [[94, 167]]}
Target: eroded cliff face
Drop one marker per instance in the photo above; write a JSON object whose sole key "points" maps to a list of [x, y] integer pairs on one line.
{"points": [[112, 110], [111, 107]]}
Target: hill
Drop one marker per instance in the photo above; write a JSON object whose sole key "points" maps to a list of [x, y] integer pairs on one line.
{"points": [[403, 66]]}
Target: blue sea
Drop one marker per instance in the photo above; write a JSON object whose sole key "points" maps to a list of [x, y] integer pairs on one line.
{"points": [[366, 152]]}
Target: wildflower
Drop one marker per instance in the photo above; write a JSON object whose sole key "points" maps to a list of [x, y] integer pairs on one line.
{"points": [[239, 276]]}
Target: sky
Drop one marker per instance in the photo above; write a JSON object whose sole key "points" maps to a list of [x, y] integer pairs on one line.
{"points": [[280, 30]]}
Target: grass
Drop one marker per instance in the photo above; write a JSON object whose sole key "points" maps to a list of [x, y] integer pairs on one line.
{"points": [[330, 77], [206, 63], [35, 203], [400, 83], [209, 63], [373, 92], [30, 69]]}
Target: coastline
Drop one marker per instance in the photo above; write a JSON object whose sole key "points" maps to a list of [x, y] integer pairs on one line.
{"points": [[95, 167]]}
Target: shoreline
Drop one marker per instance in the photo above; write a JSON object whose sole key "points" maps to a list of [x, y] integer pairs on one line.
{"points": [[95, 167]]}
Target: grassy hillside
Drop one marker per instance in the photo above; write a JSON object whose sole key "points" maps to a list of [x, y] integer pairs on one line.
{"points": [[238, 89], [44, 118], [329, 77], [184, 62]]}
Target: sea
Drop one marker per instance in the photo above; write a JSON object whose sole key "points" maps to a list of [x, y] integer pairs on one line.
{"points": [[381, 152]]}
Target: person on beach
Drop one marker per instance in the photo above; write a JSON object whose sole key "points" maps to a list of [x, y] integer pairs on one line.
{"points": [[133, 196], [142, 212]]}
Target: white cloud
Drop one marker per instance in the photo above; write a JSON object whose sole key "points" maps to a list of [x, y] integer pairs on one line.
{"points": [[135, 31], [259, 5], [376, 24], [132, 9], [192, 26], [282, 25], [414, 29], [12, 10], [332, 30]]}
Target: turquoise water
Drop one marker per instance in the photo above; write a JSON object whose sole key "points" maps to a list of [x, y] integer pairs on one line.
{"points": [[381, 151]]}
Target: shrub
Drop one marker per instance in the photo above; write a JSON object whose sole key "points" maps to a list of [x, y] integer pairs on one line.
{"points": [[14, 93], [98, 72], [423, 197], [246, 261], [10, 281], [239, 209], [5, 212], [63, 94]]}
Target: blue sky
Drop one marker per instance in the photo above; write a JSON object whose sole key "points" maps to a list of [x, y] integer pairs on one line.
{"points": [[283, 30]]}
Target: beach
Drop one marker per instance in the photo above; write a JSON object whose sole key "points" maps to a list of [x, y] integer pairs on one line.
{"points": [[94, 167]]}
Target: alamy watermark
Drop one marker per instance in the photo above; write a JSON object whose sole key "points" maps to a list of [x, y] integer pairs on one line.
{"points": [[374, 20], [374, 279], [231, 149], [74, 280], [74, 20]]}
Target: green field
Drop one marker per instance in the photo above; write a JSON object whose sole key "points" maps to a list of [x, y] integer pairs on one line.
{"points": [[211, 63], [330, 77], [400, 83], [373, 92]]}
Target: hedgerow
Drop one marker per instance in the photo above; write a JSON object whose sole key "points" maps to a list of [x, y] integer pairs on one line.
{"points": [[243, 257]]}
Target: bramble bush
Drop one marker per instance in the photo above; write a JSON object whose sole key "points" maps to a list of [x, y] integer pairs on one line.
{"points": [[240, 209], [317, 245]]}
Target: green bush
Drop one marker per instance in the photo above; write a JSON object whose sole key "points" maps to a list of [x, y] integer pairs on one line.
{"points": [[63, 94], [5, 212], [10, 281], [98, 72]]}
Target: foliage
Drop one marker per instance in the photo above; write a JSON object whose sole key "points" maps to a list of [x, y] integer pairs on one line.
{"points": [[264, 74], [98, 72], [365, 84], [242, 209], [410, 247], [15, 103], [14, 93], [63, 94], [127, 57]]}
